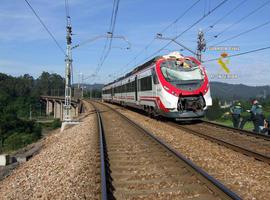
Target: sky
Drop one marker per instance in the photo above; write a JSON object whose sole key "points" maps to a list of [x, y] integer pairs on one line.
{"points": [[26, 47]]}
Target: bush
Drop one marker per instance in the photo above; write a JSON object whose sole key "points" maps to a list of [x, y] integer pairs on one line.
{"points": [[214, 112], [18, 140], [56, 123]]}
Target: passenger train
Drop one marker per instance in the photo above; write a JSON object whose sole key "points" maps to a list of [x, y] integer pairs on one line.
{"points": [[171, 85]]}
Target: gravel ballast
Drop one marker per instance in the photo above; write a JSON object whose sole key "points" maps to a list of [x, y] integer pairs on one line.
{"points": [[67, 167], [244, 175]]}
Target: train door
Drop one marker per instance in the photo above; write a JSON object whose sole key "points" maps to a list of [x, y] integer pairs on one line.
{"points": [[136, 89], [154, 82]]}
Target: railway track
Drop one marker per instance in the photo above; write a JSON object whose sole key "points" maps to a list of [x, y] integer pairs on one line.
{"points": [[257, 147], [237, 130], [137, 165], [242, 141]]}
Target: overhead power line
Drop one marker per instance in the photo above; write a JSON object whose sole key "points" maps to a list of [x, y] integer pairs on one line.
{"points": [[181, 16], [241, 19], [242, 33], [107, 46], [239, 54], [46, 28], [111, 33], [224, 16], [162, 31], [110, 28], [190, 27]]}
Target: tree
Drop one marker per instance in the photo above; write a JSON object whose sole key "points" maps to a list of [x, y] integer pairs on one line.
{"points": [[214, 112]]}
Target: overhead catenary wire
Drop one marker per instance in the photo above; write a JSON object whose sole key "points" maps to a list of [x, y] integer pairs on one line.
{"points": [[190, 27], [241, 19], [110, 28], [242, 33], [239, 54], [107, 46], [45, 27], [226, 15], [111, 31], [180, 17], [162, 31]]}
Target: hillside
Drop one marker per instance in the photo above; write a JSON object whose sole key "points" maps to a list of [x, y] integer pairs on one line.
{"points": [[227, 91]]}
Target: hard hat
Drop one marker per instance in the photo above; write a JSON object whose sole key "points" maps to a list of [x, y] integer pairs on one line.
{"points": [[255, 102], [239, 104]]}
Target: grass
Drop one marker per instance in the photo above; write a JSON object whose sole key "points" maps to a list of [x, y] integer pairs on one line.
{"points": [[226, 120], [248, 126]]}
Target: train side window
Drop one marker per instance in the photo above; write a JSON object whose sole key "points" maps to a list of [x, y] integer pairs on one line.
{"points": [[132, 86], [145, 83], [129, 86], [125, 88], [154, 75]]}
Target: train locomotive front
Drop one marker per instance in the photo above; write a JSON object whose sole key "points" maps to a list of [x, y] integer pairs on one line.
{"points": [[172, 85]]}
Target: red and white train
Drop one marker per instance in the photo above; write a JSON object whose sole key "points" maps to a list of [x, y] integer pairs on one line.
{"points": [[171, 85]]}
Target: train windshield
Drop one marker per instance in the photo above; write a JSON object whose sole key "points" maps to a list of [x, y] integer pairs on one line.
{"points": [[180, 71]]}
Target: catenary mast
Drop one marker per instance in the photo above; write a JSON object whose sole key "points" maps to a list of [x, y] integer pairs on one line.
{"points": [[68, 60]]}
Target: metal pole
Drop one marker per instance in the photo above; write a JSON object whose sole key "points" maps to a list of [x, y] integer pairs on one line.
{"points": [[201, 45], [68, 60], [160, 36]]}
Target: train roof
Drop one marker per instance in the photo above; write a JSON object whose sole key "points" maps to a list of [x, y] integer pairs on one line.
{"points": [[139, 68]]}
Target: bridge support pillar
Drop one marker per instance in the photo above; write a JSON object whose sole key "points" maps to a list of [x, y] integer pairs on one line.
{"points": [[57, 109], [49, 107], [77, 111], [61, 111], [73, 111]]}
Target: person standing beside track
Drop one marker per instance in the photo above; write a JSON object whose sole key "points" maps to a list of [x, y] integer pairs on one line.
{"points": [[257, 116], [265, 129], [236, 111]]}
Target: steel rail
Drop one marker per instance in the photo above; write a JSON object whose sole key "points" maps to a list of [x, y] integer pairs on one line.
{"points": [[218, 186], [103, 170], [238, 130], [237, 148], [256, 155]]}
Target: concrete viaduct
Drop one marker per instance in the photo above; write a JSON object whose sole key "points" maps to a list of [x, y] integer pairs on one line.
{"points": [[55, 106]]}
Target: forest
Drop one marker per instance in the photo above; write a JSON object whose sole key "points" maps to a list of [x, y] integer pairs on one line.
{"points": [[20, 106]]}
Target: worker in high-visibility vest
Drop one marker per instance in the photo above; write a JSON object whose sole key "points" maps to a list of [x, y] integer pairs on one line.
{"points": [[257, 116], [236, 111]]}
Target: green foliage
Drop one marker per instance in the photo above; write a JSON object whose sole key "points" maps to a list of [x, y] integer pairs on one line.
{"points": [[16, 133], [56, 123], [50, 84], [93, 93], [18, 97], [17, 140], [214, 112]]}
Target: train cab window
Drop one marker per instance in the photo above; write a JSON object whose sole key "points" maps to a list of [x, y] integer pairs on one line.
{"points": [[181, 70]]}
